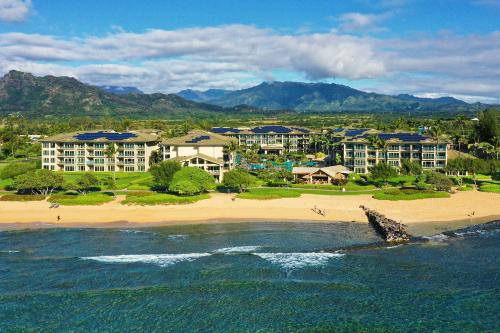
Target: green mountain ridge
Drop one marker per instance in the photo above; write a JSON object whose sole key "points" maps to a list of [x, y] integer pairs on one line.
{"points": [[34, 97], [324, 97]]}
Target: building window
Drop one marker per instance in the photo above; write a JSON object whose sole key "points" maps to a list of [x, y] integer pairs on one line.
{"points": [[428, 156]]}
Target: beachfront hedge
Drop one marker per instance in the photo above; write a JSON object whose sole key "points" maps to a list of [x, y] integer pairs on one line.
{"points": [[409, 194], [269, 193], [151, 198], [91, 199], [22, 197]]}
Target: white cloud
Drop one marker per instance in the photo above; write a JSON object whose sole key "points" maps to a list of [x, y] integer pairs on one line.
{"points": [[247, 50], [361, 22], [237, 56], [14, 10]]}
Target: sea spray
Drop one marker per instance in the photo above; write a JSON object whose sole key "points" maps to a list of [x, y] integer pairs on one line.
{"points": [[162, 260]]}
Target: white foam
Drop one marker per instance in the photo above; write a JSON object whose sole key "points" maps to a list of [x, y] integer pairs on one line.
{"points": [[394, 246], [131, 231], [10, 251], [437, 238], [297, 260], [177, 237], [237, 249], [162, 260]]}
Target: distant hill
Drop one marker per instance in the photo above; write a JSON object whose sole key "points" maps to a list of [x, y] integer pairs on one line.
{"points": [[326, 97], [118, 90], [203, 96], [65, 96]]}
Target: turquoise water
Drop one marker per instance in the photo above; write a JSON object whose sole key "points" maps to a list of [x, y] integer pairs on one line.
{"points": [[249, 277]]}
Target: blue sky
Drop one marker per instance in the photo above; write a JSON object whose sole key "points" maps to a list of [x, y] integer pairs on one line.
{"points": [[427, 48]]}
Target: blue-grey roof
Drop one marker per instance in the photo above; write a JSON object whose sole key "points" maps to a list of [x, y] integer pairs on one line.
{"points": [[220, 130], [261, 130], [111, 136]]}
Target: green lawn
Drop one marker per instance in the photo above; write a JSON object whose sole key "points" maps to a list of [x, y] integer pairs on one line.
{"points": [[124, 180], [4, 183], [328, 192], [409, 194], [264, 193], [489, 186], [152, 198], [350, 186], [91, 199], [22, 197]]}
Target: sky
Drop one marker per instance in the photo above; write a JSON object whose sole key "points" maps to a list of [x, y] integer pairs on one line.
{"points": [[420, 47]]}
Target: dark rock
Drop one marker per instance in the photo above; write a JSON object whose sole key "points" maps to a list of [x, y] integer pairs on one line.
{"points": [[390, 230]]}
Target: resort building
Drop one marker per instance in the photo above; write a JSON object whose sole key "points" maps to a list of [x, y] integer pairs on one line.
{"points": [[271, 139], [359, 154], [90, 151], [200, 149], [326, 175]]}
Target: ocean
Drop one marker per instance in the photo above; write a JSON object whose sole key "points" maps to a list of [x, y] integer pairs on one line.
{"points": [[248, 277]]}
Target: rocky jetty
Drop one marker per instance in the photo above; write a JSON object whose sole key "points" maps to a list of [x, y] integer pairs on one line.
{"points": [[391, 230]]}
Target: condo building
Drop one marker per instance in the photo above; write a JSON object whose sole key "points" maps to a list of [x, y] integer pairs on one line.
{"points": [[271, 139], [89, 151], [359, 154], [201, 149]]}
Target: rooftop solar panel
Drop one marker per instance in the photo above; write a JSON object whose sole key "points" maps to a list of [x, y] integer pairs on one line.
{"points": [[302, 130], [198, 139], [405, 137], [111, 136], [225, 130], [355, 132], [271, 128]]}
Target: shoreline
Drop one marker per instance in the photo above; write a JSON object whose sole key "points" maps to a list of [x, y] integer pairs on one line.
{"points": [[423, 228], [420, 215]]}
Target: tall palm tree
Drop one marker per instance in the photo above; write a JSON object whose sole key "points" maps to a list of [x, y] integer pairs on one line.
{"points": [[110, 154], [496, 144], [384, 146]]}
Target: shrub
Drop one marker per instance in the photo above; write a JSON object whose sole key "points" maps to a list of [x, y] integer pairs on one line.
{"points": [[238, 179], [383, 172], [38, 182], [13, 170], [439, 181], [22, 197], [164, 172], [410, 167], [191, 180]]}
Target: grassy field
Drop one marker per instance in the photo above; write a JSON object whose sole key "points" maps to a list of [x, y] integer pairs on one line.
{"points": [[21, 197], [337, 193], [152, 198], [408, 194], [91, 199], [269, 193], [490, 186], [124, 180], [350, 186]]}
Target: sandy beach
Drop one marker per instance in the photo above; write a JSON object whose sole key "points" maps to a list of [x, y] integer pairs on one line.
{"points": [[450, 212]]}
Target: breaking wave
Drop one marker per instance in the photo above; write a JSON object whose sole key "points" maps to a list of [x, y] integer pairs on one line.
{"points": [[237, 249], [177, 237], [297, 260], [162, 260], [132, 231], [437, 238]]}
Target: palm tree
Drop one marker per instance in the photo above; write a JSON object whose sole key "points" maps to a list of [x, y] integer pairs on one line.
{"points": [[384, 146], [110, 153], [496, 144]]}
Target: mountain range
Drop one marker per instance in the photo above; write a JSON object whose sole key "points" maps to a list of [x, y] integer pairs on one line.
{"points": [[120, 90], [34, 96], [323, 97]]}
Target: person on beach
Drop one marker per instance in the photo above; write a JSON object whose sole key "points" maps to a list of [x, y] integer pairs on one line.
{"points": [[58, 218]]}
